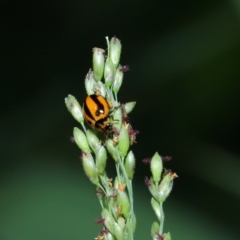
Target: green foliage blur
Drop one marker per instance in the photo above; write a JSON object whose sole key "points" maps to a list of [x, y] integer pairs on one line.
{"points": [[184, 75]]}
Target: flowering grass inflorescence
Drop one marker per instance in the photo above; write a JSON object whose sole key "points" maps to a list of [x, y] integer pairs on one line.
{"points": [[106, 115]]}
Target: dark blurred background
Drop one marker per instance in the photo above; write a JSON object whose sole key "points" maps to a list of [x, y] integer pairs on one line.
{"points": [[184, 58]]}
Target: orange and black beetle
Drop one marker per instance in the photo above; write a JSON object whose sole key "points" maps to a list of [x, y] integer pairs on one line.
{"points": [[96, 112]]}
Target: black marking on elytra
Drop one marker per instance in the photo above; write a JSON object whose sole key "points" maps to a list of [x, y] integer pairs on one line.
{"points": [[100, 106], [87, 111]]}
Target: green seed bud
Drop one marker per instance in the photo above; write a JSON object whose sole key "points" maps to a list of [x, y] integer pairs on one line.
{"points": [[93, 141], [118, 80], [109, 72], [167, 236], [156, 167], [113, 208], [81, 140], [112, 149], [132, 223], [98, 63], [130, 165], [117, 119], [109, 220], [123, 142], [123, 202], [74, 108], [129, 106], [109, 96], [121, 222], [115, 50], [154, 229], [165, 187], [90, 83], [116, 182], [101, 88], [157, 209], [153, 189], [106, 201], [108, 236], [118, 232], [101, 159], [90, 168]]}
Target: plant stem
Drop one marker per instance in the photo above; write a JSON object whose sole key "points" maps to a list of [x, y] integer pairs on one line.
{"points": [[162, 219]]}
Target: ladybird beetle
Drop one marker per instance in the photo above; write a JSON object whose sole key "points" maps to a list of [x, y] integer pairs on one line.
{"points": [[96, 112]]}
